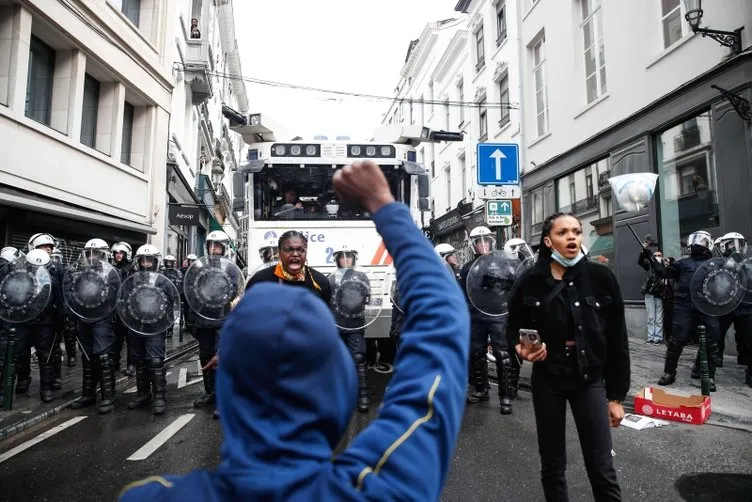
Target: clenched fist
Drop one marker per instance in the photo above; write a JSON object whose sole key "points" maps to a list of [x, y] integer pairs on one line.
{"points": [[363, 184]]}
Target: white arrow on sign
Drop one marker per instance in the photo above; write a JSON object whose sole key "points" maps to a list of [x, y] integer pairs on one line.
{"points": [[497, 156], [505, 206]]}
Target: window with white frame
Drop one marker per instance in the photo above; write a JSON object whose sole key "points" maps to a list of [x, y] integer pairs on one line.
{"points": [[504, 101], [501, 22], [448, 176], [447, 116], [595, 56], [127, 143], [41, 74], [480, 50], [430, 96], [130, 8], [463, 175], [422, 106], [461, 99], [672, 20], [90, 111], [412, 116], [541, 90], [483, 118]]}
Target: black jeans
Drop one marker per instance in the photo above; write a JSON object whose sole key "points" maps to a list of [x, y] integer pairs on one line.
{"points": [[552, 389]]}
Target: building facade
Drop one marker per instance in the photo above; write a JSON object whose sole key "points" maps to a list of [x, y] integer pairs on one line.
{"points": [[84, 111], [611, 88], [203, 153]]}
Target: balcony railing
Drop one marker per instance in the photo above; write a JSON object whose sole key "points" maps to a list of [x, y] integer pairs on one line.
{"points": [[582, 206]]}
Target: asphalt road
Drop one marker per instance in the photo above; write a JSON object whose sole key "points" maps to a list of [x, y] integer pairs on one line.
{"points": [[82, 456]]}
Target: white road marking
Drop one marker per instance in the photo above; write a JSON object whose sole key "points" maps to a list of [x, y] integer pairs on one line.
{"points": [[182, 377], [153, 445], [47, 434], [193, 381]]}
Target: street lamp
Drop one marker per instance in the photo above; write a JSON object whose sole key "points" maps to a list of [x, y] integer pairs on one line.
{"points": [[693, 15]]}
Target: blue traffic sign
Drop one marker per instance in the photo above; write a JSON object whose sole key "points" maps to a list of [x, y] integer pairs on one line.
{"points": [[498, 164]]}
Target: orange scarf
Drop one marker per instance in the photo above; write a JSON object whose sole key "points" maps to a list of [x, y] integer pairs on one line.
{"points": [[283, 274]]}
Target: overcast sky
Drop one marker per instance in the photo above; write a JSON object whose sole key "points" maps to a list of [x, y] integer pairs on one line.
{"points": [[348, 45]]}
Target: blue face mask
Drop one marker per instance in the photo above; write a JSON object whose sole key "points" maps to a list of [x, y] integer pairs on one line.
{"points": [[566, 262]]}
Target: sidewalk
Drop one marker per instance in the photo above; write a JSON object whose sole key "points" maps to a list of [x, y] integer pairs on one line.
{"points": [[28, 410], [731, 403]]}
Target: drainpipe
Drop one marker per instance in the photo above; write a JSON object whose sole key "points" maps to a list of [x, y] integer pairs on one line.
{"points": [[520, 89]]}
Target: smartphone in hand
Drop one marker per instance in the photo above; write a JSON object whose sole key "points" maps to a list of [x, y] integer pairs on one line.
{"points": [[530, 339]]}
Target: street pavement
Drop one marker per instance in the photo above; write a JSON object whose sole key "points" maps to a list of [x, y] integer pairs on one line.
{"points": [[80, 455]]}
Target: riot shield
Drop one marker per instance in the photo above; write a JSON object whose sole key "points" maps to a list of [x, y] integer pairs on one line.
{"points": [[148, 303], [90, 289], [718, 286], [354, 305], [394, 296], [25, 291], [524, 265], [175, 276], [210, 286], [489, 282], [263, 266]]}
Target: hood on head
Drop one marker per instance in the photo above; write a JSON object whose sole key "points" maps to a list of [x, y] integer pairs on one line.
{"points": [[286, 384]]}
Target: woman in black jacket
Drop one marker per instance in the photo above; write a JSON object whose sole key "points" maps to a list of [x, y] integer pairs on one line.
{"points": [[577, 309]]}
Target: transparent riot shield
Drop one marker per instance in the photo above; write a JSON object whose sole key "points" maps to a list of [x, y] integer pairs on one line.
{"points": [[718, 286], [490, 281], [211, 285], [148, 303], [90, 289], [355, 306], [25, 291], [395, 297], [524, 265]]}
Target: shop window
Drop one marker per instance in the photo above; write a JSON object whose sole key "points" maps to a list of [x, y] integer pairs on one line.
{"points": [[687, 181]]}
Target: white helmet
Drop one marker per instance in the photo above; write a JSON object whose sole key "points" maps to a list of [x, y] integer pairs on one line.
{"points": [[123, 247], [519, 247], [57, 256], [444, 249], [38, 257], [170, 257], [148, 251], [191, 257], [10, 254], [218, 237], [42, 239], [482, 236], [345, 250], [269, 251], [96, 248], [700, 238], [732, 242]]}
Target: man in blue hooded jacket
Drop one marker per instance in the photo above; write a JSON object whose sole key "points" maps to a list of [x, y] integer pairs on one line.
{"points": [[286, 385]]}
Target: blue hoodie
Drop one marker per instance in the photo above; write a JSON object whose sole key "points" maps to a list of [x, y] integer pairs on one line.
{"points": [[286, 389]]}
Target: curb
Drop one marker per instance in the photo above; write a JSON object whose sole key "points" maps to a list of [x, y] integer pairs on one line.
{"points": [[718, 419], [37, 419]]}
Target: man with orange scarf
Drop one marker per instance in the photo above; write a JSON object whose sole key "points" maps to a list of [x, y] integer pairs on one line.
{"points": [[292, 270]]}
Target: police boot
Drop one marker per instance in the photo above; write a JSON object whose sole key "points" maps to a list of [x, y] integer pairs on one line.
{"points": [[88, 393], [207, 397], [364, 398], [107, 384], [673, 353], [23, 371], [505, 384], [70, 348], [158, 374], [712, 360], [514, 377], [480, 379], [57, 365], [46, 381], [143, 391], [22, 386]]}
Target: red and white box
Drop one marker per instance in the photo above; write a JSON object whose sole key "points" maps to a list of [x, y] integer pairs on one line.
{"points": [[656, 402]]}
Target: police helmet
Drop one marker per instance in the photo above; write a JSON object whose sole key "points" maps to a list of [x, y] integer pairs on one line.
{"points": [[269, 251], [148, 251], [519, 247], [42, 239], [123, 247], [191, 257], [38, 258], [700, 238], [169, 261], [346, 251], [218, 237], [10, 254], [96, 249], [482, 235], [57, 256], [444, 249], [732, 242]]}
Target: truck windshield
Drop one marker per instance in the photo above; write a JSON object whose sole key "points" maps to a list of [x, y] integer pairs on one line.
{"points": [[289, 192]]}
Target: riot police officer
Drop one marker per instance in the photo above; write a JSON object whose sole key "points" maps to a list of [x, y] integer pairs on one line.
{"points": [[686, 315], [8, 256], [269, 252], [148, 352], [449, 254], [351, 329], [171, 271], [68, 324], [207, 331], [97, 337], [482, 327], [122, 255], [189, 317]]}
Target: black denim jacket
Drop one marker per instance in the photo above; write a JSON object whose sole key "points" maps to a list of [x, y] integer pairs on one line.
{"points": [[596, 307]]}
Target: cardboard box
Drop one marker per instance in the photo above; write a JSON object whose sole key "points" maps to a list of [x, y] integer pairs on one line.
{"points": [[656, 402]]}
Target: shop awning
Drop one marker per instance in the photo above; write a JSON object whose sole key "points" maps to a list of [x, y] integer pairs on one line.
{"points": [[31, 202], [603, 244], [214, 224]]}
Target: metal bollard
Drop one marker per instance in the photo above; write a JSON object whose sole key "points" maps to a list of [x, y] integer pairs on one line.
{"points": [[703, 353], [10, 370]]}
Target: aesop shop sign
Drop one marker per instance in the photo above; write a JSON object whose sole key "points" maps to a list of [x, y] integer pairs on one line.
{"points": [[184, 215]]}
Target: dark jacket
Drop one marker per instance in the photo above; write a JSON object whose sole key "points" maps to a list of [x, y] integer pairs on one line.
{"points": [[267, 275], [591, 306], [652, 284], [286, 389], [682, 270]]}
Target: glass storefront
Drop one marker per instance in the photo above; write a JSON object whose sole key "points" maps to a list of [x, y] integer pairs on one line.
{"points": [[687, 181], [587, 194]]}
